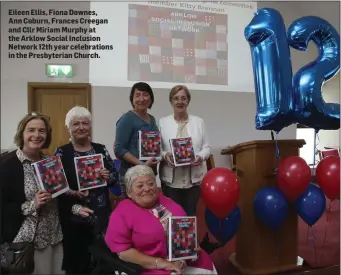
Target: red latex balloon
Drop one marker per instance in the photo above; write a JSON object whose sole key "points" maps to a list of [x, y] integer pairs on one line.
{"points": [[328, 176], [294, 175], [220, 191]]}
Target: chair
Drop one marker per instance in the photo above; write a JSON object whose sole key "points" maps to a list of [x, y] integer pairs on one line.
{"points": [[210, 163], [6, 154], [328, 152], [232, 162], [334, 147], [107, 262]]}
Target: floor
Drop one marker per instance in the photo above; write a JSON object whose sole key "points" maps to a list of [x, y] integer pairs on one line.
{"points": [[325, 251]]}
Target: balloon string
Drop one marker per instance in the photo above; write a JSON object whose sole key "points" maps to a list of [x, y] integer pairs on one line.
{"points": [[277, 245], [325, 233], [277, 152], [314, 242], [220, 229], [329, 210], [308, 227], [316, 151]]}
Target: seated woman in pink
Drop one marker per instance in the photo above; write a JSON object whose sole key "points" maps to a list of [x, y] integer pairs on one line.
{"points": [[136, 231]]}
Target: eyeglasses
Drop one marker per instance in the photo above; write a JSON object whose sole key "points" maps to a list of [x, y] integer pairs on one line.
{"points": [[40, 115], [178, 99]]}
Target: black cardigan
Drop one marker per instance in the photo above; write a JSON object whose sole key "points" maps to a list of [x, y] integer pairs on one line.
{"points": [[66, 202], [77, 236], [12, 196]]}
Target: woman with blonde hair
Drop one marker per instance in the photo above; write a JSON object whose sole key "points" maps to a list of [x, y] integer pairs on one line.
{"points": [[182, 184], [29, 214]]}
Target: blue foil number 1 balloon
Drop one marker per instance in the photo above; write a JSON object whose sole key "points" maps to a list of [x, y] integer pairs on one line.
{"points": [[272, 70], [310, 108]]}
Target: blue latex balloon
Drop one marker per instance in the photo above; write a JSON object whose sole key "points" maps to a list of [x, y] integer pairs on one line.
{"points": [[272, 70], [116, 190], [117, 164], [271, 207], [310, 108], [311, 205], [223, 230]]}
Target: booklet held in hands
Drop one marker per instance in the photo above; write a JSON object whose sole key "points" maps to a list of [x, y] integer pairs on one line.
{"points": [[88, 170], [149, 145], [182, 151], [51, 176], [182, 238]]}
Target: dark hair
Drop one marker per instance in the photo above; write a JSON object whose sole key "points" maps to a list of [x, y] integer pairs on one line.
{"points": [[144, 87], [19, 136]]}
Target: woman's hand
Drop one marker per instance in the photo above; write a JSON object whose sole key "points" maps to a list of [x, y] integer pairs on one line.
{"points": [[197, 250], [178, 266], [105, 174], [41, 198], [169, 159], [198, 160], [79, 194], [85, 212], [152, 162]]}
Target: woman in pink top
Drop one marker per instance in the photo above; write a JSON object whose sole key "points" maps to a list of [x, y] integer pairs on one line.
{"points": [[136, 231]]}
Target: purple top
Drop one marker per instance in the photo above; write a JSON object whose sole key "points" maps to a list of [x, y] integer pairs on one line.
{"points": [[133, 226]]}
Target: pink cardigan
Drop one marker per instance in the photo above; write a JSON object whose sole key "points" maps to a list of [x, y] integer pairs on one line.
{"points": [[133, 226]]}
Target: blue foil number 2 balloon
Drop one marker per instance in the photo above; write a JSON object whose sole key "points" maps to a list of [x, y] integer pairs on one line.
{"points": [[310, 108], [281, 99]]}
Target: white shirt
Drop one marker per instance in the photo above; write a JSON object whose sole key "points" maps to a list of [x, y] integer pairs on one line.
{"points": [[196, 130]]}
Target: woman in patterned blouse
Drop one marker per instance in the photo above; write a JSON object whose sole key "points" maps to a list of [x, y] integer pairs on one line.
{"points": [[84, 214], [27, 213]]}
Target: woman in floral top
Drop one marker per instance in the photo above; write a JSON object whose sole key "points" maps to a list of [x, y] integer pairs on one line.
{"points": [[84, 214], [27, 212]]}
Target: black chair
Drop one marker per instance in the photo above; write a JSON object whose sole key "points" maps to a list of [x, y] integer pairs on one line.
{"points": [[4, 155], [107, 262]]}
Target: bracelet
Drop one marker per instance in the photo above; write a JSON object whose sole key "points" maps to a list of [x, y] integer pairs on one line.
{"points": [[156, 263]]}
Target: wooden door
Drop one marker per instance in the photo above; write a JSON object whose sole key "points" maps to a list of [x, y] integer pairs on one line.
{"points": [[55, 100]]}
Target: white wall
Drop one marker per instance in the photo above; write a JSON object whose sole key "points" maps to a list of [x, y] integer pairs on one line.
{"points": [[331, 94], [15, 73]]}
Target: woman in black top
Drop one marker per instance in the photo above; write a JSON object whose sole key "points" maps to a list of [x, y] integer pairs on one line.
{"points": [[83, 214], [28, 213]]}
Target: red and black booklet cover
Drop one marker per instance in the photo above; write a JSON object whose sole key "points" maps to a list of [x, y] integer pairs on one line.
{"points": [[88, 170], [182, 238], [182, 150], [149, 145], [51, 176]]}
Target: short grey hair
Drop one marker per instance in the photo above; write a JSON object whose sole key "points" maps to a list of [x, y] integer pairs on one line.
{"points": [[137, 171], [79, 112]]}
